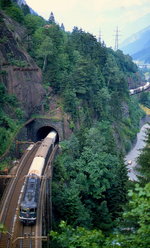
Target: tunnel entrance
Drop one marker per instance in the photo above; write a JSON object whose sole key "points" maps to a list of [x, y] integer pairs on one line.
{"points": [[43, 132]]}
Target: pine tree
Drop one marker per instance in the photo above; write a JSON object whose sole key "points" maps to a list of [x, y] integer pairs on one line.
{"points": [[5, 4], [51, 19], [62, 27], [144, 162]]}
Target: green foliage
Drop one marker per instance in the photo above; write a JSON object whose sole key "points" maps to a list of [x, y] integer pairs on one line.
{"points": [[45, 49], [16, 13], [5, 4], [4, 39], [88, 177], [19, 113], [136, 233], [8, 119], [128, 125], [125, 62], [33, 22], [144, 162], [25, 9], [2, 94], [91, 78], [145, 99], [51, 19], [5, 163], [134, 227], [74, 238], [2, 229], [17, 62]]}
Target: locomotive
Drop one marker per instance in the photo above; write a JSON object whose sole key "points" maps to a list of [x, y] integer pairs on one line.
{"points": [[31, 189]]}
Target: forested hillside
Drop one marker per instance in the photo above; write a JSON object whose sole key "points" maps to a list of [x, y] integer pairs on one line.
{"points": [[90, 181]]}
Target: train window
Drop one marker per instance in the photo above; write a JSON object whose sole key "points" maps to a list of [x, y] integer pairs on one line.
{"points": [[32, 210], [24, 210]]}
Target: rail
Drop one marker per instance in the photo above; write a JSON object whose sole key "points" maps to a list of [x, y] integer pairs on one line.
{"points": [[19, 235], [11, 196]]}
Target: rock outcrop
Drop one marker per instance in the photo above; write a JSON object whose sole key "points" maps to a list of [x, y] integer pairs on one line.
{"points": [[18, 71]]}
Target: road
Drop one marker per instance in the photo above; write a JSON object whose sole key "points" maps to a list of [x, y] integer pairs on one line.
{"points": [[131, 157]]}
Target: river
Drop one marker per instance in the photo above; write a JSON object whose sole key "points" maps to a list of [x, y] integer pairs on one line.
{"points": [[130, 158]]}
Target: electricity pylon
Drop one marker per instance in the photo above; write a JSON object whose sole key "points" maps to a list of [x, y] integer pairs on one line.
{"points": [[116, 39]]}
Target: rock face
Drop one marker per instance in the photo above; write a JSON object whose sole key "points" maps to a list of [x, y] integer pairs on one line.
{"points": [[18, 71]]}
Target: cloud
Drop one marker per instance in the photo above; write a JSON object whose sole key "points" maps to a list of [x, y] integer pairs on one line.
{"points": [[113, 4], [133, 14], [86, 6], [53, 5]]}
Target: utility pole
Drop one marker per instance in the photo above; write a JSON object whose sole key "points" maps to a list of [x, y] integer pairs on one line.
{"points": [[116, 39]]}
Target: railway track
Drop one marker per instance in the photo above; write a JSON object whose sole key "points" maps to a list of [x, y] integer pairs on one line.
{"points": [[19, 235], [9, 203], [32, 236], [26, 238], [47, 175]]}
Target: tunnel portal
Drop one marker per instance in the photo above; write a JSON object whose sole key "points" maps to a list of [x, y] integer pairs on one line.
{"points": [[43, 132]]}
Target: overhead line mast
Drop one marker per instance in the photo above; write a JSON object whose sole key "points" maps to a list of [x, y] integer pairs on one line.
{"points": [[100, 36], [116, 39]]}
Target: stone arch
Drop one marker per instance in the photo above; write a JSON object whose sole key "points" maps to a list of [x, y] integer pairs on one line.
{"points": [[43, 131]]}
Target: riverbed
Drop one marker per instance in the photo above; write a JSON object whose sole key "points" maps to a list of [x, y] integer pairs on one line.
{"points": [[131, 157]]}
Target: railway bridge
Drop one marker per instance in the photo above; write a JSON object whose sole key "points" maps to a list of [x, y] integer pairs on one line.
{"points": [[17, 235]]}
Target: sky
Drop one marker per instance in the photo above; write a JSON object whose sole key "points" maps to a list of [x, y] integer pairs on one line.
{"points": [[97, 16]]}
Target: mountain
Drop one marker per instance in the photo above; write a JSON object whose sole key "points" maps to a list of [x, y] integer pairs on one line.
{"points": [[22, 3], [138, 45], [143, 55]]}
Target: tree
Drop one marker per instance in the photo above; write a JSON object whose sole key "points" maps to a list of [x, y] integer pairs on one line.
{"points": [[16, 13], [144, 162], [90, 176], [51, 19], [45, 49], [75, 238], [26, 9], [136, 233], [62, 27], [33, 22], [5, 4], [145, 98]]}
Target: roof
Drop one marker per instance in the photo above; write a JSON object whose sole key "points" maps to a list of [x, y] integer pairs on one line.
{"points": [[31, 193]]}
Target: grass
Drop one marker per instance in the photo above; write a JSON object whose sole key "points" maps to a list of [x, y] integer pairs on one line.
{"points": [[145, 109]]}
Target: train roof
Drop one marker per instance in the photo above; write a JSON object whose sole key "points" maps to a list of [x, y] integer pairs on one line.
{"points": [[37, 166], [51, 135], [30, 197]]}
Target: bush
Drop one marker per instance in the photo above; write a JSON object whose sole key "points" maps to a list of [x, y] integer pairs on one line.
{"points": [[16, 13]]}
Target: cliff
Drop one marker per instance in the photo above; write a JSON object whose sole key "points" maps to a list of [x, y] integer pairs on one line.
{"points": [[18, 71]]}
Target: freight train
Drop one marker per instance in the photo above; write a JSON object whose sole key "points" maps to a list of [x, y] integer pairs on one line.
{"points": [[139, 89], [31, 188]]}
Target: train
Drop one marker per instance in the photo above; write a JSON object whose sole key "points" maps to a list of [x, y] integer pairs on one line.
{"points": [[139, 89], [31, 189]]}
